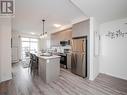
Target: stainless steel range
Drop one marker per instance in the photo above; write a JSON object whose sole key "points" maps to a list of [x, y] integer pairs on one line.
{"points": [[63, 59]]}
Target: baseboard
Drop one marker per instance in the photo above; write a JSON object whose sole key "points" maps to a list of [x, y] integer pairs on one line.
{"points": [[114, 76], [92, 78], [5, 78]]}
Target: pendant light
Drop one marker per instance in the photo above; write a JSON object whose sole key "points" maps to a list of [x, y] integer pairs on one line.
{"points": [[44, 34]]}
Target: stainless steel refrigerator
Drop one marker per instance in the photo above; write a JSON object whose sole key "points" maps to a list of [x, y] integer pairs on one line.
{"points": [[79, 56]]}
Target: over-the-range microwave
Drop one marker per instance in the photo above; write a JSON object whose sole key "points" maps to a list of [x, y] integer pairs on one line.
{"points": [[64, 43]]}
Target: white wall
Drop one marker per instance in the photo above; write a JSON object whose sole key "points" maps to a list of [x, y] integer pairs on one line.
{"points": [[5, 49], [0, 51], [94, 59], [113, 59]]}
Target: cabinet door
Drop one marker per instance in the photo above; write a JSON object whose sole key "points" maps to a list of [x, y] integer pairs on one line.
{"points": [[69, 61], [42, 69], [80, 29]]}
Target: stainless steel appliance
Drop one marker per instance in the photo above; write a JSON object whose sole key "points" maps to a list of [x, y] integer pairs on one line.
{"points": [[64, 43], [63, 59], [79, 56]]}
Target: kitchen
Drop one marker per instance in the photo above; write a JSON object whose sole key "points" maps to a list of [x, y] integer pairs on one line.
{"points": [[63, 45], [66, 46]]}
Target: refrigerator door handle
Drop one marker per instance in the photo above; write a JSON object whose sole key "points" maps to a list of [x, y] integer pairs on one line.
{"points": [[74, 62]]}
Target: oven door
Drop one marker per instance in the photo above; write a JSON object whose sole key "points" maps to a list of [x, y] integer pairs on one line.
{"points": [[63, 59]]}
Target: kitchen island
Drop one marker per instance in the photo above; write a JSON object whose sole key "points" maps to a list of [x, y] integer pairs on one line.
{"points": [[49, 67]]}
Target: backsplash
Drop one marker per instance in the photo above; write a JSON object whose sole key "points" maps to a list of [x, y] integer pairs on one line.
{"points": [[61, 49]]}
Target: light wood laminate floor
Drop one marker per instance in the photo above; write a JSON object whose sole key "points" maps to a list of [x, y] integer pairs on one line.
{"points": [[67, 84]]}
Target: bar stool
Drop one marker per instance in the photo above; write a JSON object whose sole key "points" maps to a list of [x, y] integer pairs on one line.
{"points": [[34, 64]]}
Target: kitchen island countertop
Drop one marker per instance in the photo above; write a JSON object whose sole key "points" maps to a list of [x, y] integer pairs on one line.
{"points": [[48, 57]]}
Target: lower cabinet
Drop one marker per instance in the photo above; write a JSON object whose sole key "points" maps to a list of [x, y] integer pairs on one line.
{"points": [[69, 60], [49, 69]]}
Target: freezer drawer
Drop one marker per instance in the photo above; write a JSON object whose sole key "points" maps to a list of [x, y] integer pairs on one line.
{"points": [[78, 64]]}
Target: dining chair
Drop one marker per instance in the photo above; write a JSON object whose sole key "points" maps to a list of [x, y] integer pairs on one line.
{"points": [[34, 64]]}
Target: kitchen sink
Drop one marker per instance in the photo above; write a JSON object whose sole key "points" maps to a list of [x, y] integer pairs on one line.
{"points": [[46, 54]]}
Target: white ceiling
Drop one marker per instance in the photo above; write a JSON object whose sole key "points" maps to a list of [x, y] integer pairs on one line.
{"points": [[29, 14], [103, 10]]}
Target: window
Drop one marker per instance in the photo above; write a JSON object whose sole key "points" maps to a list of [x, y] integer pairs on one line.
{"points": [[28, 45]]}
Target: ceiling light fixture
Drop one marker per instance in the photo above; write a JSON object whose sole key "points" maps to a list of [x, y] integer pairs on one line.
{"points": [[32, 33], [44, 34], [57, 25]]}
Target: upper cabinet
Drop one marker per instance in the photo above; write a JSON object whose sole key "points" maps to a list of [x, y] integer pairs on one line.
{"points": [[77, 30], [81, 28], [64, 35]]}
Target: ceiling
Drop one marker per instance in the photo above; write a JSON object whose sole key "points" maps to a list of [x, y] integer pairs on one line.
{"points": [[103, 10], [29, 15]]}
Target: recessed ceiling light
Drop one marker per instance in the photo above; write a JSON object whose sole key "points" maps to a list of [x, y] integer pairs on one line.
{"points": [[32, 33], [57, 25]]}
